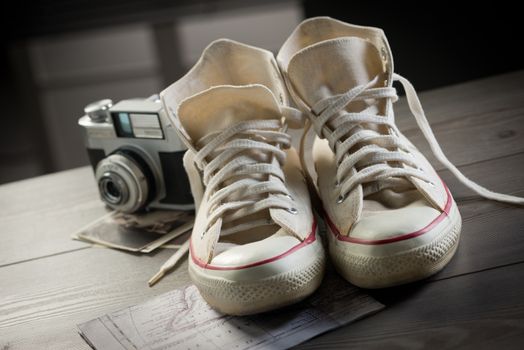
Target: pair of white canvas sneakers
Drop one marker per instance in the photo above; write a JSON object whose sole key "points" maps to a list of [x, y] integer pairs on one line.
{"points": [[255, 244]]}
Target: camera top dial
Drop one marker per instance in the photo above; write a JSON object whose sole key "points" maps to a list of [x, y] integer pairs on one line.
{"points": [[98, 111]]}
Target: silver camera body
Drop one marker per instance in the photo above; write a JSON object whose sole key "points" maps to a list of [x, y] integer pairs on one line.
{"points": [[136, 155]]}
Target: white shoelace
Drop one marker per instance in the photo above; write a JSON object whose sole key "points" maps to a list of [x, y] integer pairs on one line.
{"points": [[242, 168], [346, 131]]}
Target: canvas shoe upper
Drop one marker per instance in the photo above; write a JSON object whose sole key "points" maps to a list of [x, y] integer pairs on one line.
{"points": [[392, 219], [254, 246]]}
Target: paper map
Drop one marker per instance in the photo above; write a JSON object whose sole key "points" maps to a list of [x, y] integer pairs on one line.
{"points": [[181, 319]]}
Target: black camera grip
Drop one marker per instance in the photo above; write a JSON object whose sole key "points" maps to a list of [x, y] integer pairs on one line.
{"points": [[176, 182]]}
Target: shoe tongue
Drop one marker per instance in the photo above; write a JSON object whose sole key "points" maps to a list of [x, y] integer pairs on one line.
{"points": [[220, 107], [334, 66]]}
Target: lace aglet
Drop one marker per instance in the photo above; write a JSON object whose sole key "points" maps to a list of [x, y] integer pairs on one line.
{"points": [[157, 277]]}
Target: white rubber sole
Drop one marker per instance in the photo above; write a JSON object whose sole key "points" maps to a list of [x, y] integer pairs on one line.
{"points": [[265, 287], [391, 264]]}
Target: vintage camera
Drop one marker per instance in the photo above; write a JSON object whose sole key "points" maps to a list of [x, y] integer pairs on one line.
{"points": [[136, 155]]}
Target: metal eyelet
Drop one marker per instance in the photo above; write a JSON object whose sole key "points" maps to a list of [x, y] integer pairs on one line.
{"points": [[202, 234], [293, 211], [337, 184], [341, 199], [430, 183], [290, 197]]}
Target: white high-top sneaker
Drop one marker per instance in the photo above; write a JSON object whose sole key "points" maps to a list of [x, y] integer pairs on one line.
{"points": [[391, 218], [254, 246]]}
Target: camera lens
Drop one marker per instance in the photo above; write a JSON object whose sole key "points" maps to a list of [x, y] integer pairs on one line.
{"points": [[112, 188], [122, 182]]}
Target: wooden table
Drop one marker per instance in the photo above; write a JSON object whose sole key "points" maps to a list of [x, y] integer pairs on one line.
{"points": [[49, 283]]}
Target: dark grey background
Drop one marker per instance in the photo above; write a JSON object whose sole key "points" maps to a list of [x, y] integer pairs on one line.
{"points": [[434, 44]]}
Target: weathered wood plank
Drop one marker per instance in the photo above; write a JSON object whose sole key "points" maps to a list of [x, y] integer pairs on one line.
{"points": [[489, 302], [478, 311], [467, 99], [476, 138], [473, 121], [38, 216], [43, 300], [492, 232], [505, 174]]}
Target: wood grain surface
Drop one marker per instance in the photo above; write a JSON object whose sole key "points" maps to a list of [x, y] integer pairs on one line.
{"points": [[49, 283], [37, 216], [477, 311]]}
